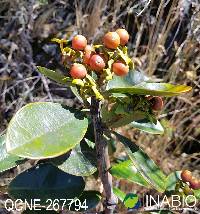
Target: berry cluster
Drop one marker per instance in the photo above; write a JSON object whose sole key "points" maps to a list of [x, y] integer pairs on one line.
{"points": [[95, 58], [105, 60], [186, 176]]}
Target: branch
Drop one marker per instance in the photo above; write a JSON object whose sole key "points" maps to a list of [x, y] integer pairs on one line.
{"points": [[103, 162]]}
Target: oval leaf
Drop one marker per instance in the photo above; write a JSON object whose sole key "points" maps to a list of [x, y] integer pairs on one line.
{"points": [[43, 182], [7, 161], [44, 130], [155, 89], [145, 166], [147, 126], [80, 162], [53, 75], [126, 170]]}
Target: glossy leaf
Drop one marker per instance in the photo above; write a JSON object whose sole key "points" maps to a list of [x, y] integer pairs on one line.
{"points": [[155, 89], [53, 75], [147, 126], [91, 198], [126, 170], [121, 195], [145, 166], [43, 182], [44, 130], [7, 161], [80, 162]]}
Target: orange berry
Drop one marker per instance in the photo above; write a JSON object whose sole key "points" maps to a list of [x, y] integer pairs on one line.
{"points": [[111, 40], [78, 71], [186, 176], [87, 54], [195, 183], [97, 63], [79, 42], [156, 102], [124, 36], [120, 69]]}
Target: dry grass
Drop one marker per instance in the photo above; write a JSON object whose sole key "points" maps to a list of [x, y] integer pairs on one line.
{"points": [[165, 43]]}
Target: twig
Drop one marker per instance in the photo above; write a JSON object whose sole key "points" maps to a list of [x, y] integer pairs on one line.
{"points": [[103, 161]]}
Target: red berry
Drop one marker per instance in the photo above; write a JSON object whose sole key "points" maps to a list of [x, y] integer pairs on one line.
{"points": [[79, 42], [87, 54], [120, 69], [111, 40], [124, 36], [156, 102], [195, 183], [186, 176], [78, 71], [97, 63]]}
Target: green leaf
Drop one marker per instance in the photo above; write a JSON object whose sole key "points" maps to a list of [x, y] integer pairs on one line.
{"points": [[126, 170], [147, 126], [80, 162], [43, 182], [44, 130], [91, 198], [53, 75], [145, 166], [155, 89], [121, 195], [7, 161]]}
